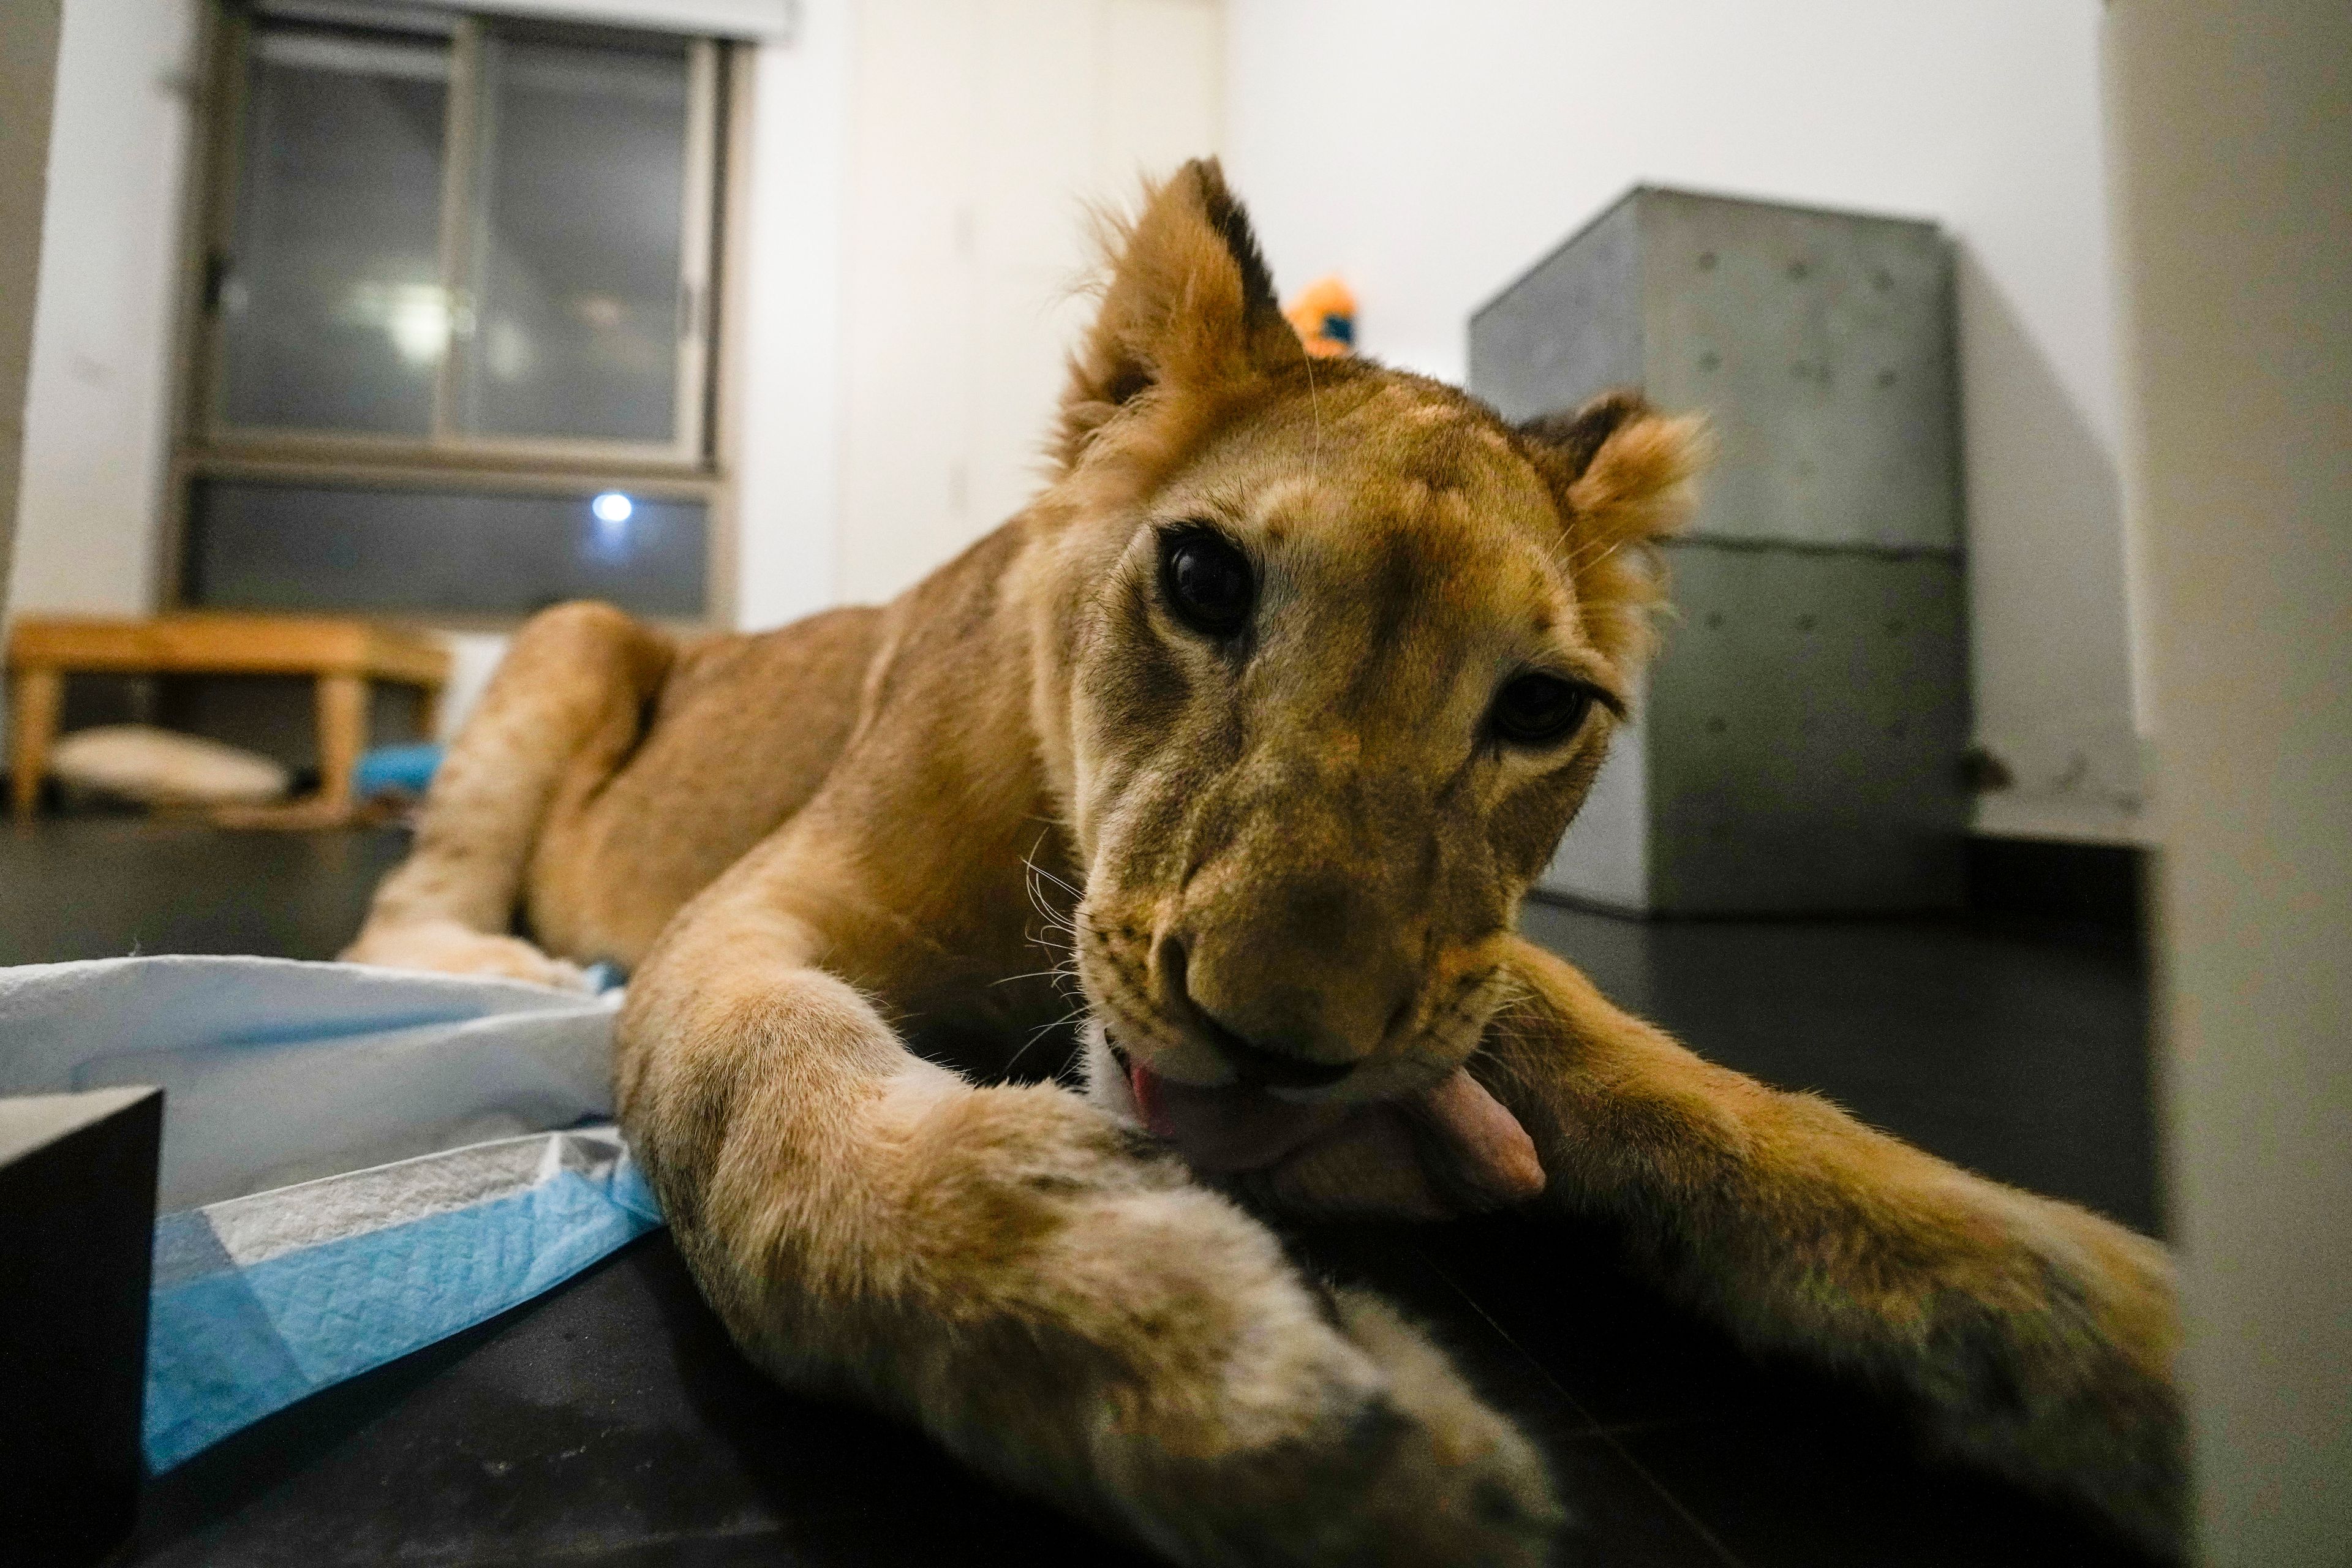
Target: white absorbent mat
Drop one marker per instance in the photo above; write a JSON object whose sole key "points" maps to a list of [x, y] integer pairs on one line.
{"points": [[277, 1071]]}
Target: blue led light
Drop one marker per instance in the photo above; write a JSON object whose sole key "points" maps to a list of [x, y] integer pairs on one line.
{"points": [[613, 507]]}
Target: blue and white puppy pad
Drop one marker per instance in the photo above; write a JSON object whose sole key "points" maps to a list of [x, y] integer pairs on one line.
{"points": [[260, 1300], [352, 1134]]}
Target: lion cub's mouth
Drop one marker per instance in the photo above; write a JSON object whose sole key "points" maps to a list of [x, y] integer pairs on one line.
{"points": [[1238, 1127], [1471, 1152]]}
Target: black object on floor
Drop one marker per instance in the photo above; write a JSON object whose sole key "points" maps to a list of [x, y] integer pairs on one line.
{"points": [[76, 1214], [610, 1423], [2100, 886]]}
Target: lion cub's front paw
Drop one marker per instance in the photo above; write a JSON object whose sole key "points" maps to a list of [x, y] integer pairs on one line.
{"points": [[1389, 1458], [2059, 1370], [1140, 1347], [1468, 1486]]}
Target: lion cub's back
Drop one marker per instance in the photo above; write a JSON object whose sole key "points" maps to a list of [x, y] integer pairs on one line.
{"points": [[746, 728]]}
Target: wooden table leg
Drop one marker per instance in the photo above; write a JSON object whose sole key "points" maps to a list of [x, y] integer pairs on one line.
{"points": [[342, 736], [37, 694]]}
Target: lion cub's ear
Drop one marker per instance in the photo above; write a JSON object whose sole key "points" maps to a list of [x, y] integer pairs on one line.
{"points": [[1188, 307], [1621, 469], [1621, 472]]}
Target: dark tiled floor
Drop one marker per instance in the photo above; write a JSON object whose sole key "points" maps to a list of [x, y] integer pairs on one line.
{"points": [[610, 1423], [104, 886]]}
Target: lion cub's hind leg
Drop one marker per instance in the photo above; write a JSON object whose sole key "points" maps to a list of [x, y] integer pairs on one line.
{"points": [[562, 711]]}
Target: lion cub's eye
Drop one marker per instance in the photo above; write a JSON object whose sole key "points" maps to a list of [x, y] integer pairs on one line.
{"points": [[1536, 710], [1208, 582]]}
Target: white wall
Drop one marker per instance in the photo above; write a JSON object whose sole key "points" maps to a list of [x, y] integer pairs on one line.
{"points": [[1431, 153], [28, 74], [2234, 144], [96, 423], [785, 439], [980, 129]]}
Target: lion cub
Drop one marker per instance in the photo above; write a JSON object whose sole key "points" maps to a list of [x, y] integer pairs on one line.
{"points": [[1268, 708]]}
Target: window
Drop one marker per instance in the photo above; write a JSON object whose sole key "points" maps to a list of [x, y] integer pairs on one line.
{"points": [[457, 315]]}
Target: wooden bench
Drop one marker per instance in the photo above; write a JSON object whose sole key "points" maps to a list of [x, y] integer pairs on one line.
{"points": [[341, 655]]}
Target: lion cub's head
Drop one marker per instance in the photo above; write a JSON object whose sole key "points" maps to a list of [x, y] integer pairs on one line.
{"points": [[1330, 654]]}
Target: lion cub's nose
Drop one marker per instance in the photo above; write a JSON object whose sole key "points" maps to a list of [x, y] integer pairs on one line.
{"points": [[1270, 1019]]}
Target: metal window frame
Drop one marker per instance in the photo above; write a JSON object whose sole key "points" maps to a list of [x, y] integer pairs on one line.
{"points": [[695, 463]]}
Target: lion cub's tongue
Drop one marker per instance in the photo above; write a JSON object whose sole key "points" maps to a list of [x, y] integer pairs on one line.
{"points": [[1481, 1152], [1221, 1130]]}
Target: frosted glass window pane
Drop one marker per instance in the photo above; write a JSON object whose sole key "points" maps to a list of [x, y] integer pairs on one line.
{"points": [[576, 255], [256, 546], [333, 317]]}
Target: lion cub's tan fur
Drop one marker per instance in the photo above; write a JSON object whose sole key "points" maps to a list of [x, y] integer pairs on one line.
{"points": [[817, 846]]}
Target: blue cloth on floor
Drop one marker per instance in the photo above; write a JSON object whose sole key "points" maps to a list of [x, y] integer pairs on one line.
{"points": [[408, 769], [278, 1073]]}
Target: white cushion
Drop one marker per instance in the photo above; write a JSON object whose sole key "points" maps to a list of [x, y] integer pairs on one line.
{"points": [[138, 762]]}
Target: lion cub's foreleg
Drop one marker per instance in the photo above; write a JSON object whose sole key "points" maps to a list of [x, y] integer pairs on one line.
{"points": [[1034, 1285], [2033, 1336], [561, 711]]}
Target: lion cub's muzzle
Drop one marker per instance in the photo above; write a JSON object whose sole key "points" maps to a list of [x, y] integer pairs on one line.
{"points": [[1288, 1003], [1250, 1049], [1284, 1062]]}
